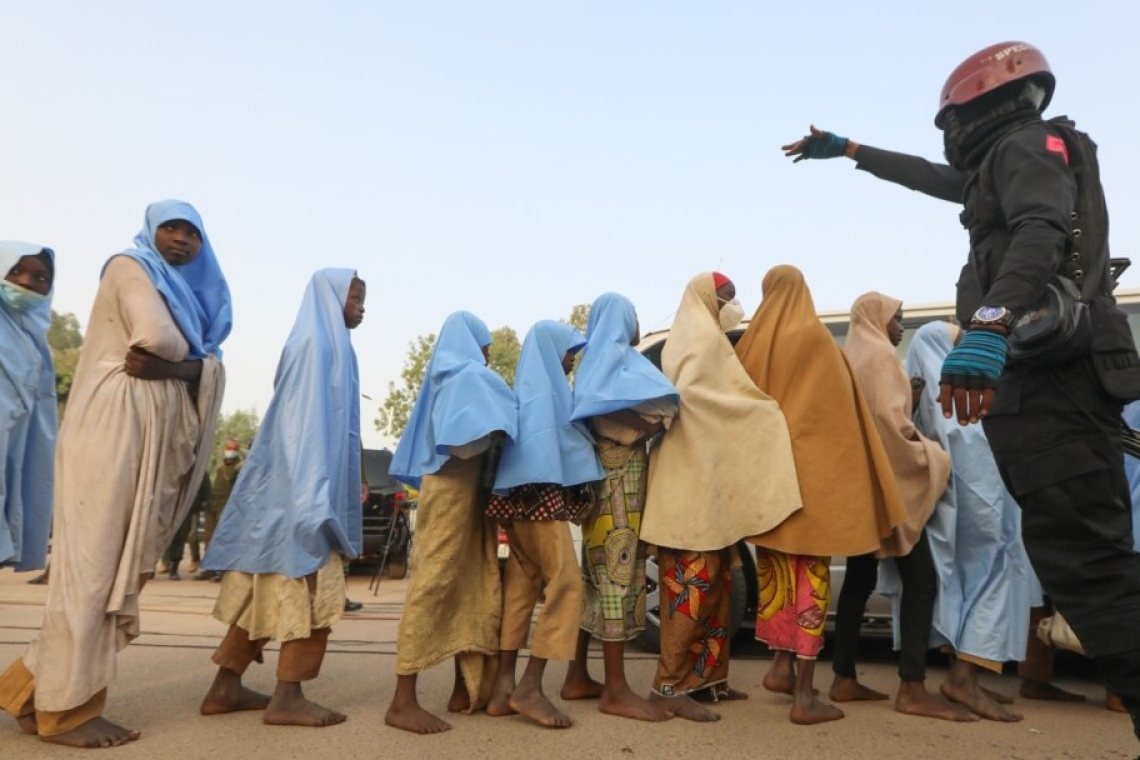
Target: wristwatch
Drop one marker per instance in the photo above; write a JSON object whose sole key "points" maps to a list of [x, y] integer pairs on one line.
{"points": [[990, 316]]}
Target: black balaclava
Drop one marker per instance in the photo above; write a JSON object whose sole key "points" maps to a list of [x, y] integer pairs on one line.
{"points": [[971, 129]]}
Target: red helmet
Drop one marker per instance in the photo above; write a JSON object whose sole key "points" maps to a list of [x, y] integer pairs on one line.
{"points": [[991, 68]]}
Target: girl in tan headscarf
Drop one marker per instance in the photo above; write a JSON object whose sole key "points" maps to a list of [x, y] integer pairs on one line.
{"points": [[724, 470], [922, 470], [850, 499]]}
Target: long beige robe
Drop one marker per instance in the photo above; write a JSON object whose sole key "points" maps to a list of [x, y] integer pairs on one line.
{"points": [[724, 469], [921, 467], [130, 458]]}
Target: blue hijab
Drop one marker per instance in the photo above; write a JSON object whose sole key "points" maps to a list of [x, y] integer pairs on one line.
{"points": [[27, 423], [196, 293], [612, 375], [549, 448], [298, 495], [461, 400], [1132, 470]]}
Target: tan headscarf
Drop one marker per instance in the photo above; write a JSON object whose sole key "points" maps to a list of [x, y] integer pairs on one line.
{"points": [[724, 470], [921, 467], [851, 501]]}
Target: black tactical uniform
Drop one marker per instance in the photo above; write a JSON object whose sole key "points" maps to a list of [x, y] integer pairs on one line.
{"points": [[1054, 432]]}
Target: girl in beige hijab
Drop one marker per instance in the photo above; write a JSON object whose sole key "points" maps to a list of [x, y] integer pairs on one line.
{"points": [[922, 470], [722, 471], [850, 499]]}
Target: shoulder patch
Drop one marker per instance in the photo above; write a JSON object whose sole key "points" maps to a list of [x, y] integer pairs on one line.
{"points": [[1055, 144]]}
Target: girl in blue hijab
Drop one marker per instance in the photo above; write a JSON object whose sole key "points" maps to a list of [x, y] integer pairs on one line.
{"points": [[27, 404], [538, 488], [453, 603], [626, 401], [130, 457], [294, 512]]}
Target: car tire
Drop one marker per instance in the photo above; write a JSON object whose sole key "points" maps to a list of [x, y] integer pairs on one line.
{"points": [[650, 638]]}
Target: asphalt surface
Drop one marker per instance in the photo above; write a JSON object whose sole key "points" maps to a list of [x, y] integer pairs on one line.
{"points": [[163, 676]]}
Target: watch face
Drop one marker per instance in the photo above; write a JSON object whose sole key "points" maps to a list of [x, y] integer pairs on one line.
{"points": [[989, 313]]}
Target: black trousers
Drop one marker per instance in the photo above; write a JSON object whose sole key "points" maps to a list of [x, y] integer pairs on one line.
{"points": [[1056, 439], [916, 610]]}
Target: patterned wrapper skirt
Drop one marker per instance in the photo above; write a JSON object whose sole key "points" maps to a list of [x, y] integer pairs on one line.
{"points": [[794, 592]]}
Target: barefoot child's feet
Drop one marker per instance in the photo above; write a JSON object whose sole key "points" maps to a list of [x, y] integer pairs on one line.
{"points": [[97, 732]]}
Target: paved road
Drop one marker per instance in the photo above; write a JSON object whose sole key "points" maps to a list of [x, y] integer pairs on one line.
{"points": [[163, 675]]}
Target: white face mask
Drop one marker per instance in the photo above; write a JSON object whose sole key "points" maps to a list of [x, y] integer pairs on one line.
{"points": [[20, 299], [731, 313], [229, 455]]}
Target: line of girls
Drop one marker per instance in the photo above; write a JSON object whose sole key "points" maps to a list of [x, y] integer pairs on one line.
{"points": [[783, 441]]}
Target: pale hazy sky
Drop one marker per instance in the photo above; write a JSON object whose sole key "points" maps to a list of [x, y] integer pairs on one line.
{"points": [[515, 158]]}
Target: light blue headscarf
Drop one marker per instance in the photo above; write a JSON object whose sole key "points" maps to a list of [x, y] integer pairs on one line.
{"points": [[985, 580], [461, 400], [1132, 470], [612, 375], [298, 495], [549, 448], [27, 423], [196, 293]]}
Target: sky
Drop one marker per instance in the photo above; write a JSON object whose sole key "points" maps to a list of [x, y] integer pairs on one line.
{"points": [[515, 158]]}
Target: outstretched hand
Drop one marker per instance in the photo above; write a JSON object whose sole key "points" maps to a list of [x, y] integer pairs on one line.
{"points": [[816, 144]]}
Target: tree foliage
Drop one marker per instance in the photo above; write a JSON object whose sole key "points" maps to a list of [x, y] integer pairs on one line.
{"points": [[65, 340], [579, 316], [505, 348]]}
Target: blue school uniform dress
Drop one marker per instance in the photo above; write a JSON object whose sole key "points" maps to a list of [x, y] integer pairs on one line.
{"points": [[27, 417], [297, 498]]}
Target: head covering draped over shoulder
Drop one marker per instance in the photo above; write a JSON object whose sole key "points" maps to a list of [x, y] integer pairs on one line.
{"points": [[789, 354], [196, 293], [549, 447], [724, 470], [612, 375], [985, 580], [461, 401], [297, 497], [27, 422], [921, 467]]}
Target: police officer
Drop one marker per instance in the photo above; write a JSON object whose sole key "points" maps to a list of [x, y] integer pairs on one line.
{"points": [[1054, 429]]}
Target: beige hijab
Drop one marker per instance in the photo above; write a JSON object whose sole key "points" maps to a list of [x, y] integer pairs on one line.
{"points": [[921, 467], [724, 470], [851, 501]]}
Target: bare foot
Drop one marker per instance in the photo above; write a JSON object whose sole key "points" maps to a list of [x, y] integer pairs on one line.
{"points": [[580, 688], [97, 732], [977, 701], [500, 702], [27, 723], [997, 696], [227, 695], [720, 693], [845, 689], [460, 700], [288, 707], [814, 712], [624, 703], [412, 717], [683, 706], [1114, 702], [781, 677], [533, 704], [1048, 692], [914, 699]]}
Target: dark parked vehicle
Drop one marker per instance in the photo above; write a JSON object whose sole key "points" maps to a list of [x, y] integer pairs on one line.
{"points": [[386, 538]]}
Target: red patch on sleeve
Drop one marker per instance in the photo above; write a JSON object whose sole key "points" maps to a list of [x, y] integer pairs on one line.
{"points": [[1055, 144]]}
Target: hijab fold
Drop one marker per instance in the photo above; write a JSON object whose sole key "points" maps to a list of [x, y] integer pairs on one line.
{"points": [[28, 423], [850, 499], [460, 401], [920, 466], [724, 469], [197, 293], [549, 448]]}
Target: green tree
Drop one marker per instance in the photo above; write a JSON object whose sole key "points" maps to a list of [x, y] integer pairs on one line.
{"points": [[505, 347], [579, 316], [65, 339], [240, 425], [397, 406]]}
